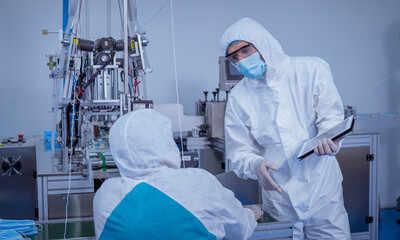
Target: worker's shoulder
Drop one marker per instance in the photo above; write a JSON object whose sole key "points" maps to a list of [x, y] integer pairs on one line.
{"points": [[311, 62], [202, 180], [200, 174], [181, 174], [111, 182], [109, 185], [107, 193], [239, 87], [241, 90], [196, 177]]}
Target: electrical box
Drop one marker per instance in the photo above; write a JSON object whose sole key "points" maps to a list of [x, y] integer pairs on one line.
{"points": [[18, 186]]}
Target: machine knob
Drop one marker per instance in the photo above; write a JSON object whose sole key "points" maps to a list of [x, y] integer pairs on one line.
{"points": [[205, 96], [214, 95], [217, 90]]}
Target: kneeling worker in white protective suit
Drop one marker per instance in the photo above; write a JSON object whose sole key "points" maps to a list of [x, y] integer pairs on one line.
{"points": [[154, 198], [281, 103]]}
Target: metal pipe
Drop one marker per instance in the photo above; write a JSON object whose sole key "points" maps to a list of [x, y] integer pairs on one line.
{"points": [[121, 105], [98, 165], [105, 87], [129, 103], [96, 159], [108, 17], [94, 163], [87, 20], [90, 167], [141, 52], [126, 65]]}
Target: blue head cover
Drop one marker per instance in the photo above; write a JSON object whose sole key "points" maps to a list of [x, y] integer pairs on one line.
{"points": [[236, 41]]}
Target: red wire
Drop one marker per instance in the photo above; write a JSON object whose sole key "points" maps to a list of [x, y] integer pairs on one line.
{"points": [[136, 83]]}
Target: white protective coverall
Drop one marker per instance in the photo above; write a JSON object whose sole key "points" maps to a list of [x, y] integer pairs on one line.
{"points": [[270, 118], [154, 198]]}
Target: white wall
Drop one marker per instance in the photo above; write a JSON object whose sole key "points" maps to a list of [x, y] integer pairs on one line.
{"points": [[359, 39]]}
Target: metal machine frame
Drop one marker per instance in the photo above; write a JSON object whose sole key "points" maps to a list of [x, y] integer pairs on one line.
{"points": [[96, 89], [352, 142]]}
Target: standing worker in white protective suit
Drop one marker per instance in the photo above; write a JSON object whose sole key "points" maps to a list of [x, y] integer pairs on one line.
{"points": [[281, 103], [154, 198]]}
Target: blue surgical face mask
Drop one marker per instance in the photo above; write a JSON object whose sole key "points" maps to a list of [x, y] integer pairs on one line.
{"points": [[21, 227], [10, 235], [251, 67]]}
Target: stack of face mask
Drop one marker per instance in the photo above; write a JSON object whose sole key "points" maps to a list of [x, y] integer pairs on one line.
{"points": [[16, 229]]}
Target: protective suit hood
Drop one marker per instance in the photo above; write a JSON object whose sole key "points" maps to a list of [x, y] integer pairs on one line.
{"points": [[141, 142], [251, 31]]}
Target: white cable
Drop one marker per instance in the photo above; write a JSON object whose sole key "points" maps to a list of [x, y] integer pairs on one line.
{"points": [[55, 112], [156, 13], [69, 182], [70, 157], [69, 163], [73, 119], [176, 82], [376, 85], [72, 51]]}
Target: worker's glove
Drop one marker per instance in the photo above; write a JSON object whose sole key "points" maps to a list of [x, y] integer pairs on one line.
{"points": [[256, 209], [327, 147], [261, 167]]}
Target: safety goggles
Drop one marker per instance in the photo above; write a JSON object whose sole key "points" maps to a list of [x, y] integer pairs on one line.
{"points": [[241, 53]]}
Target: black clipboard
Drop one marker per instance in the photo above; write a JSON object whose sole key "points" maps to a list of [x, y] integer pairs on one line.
{"points": [[334, 133]]}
